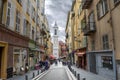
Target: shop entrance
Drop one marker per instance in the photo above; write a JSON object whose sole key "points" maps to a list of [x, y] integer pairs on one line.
{"points": [[1, 51]]}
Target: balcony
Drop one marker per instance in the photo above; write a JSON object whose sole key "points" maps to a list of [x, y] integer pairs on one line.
{"points": [[89, 29], [86, 4]]}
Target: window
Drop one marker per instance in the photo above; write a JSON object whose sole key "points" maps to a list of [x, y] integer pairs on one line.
{"points": [[28, 29], [91, 21], [33, 13], [107, 62], [55, 32], [83, 24], [80, 9], [20, 2], [93, 45], [28, 6], [1, 9], [17, 28], [116, 1], [102, 8], [105, 42], [8, 14], [33, 33], [24, 28], [79, 29], [84, 41]]}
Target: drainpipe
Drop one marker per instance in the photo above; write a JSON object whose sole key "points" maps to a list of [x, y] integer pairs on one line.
{"points": [[113, 36]]}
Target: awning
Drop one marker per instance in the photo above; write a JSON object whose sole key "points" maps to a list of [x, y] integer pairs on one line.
{"points": [[80, 54], [37, 49], [52, 57]]}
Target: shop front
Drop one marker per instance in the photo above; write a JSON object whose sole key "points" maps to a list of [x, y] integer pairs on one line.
{"points": [[32, 52], [102, 63], [81, 58], [9, 41]]}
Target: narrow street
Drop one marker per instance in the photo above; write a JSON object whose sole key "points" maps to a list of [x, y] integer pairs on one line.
{"points": [[54, 75], [59, 40], [56, 72]]}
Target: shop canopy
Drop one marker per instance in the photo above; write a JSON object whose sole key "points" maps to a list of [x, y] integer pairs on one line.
{"points": [[37, 49], [52, 57], [80, 54]]}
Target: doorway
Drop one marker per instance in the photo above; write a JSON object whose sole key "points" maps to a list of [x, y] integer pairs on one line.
{"points": [[1, 51]]}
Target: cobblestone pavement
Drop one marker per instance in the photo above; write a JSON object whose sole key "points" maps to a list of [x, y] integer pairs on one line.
{"points": [[88, 75]]}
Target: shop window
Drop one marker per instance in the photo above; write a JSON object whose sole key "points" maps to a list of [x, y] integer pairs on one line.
{"points": [[107, 62], [102, 8]]}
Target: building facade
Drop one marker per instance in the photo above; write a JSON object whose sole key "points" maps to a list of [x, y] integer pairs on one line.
{"points": [[95, 32], [22, 36]]}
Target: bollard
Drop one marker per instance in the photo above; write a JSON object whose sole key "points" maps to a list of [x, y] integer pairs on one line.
{"points": [[26, 77], [38, 72], [78, 76], [84, 79], [75, 73], [33, 74]]}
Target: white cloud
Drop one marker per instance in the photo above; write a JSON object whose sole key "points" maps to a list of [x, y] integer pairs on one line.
{"points": [[57, 10]]}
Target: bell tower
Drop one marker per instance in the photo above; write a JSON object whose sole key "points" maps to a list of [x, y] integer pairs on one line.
{"points": [[55, 41]]}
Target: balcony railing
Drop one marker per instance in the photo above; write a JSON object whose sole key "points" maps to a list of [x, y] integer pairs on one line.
{"points": [[89, 28], [86, 3]]}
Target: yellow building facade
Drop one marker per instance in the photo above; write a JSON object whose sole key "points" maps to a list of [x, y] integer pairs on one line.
{"points": [[101, 29], [20, 31], [95, 32]]}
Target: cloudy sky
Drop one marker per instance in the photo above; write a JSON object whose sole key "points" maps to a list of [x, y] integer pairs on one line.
{"points": [[57, 10]]}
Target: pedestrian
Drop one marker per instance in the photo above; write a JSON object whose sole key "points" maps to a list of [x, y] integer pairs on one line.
{"points": [[46, 64]]}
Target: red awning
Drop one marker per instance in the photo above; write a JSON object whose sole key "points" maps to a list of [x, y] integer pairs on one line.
{"points": [[80, 53], [52, 57]]}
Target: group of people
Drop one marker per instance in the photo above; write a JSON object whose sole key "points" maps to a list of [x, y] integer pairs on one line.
{"points": [[43, 64]]}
